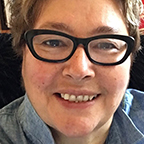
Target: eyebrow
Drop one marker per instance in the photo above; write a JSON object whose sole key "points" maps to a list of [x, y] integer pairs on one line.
{"points": [[57, 26], [66, 28], [105, 29]]}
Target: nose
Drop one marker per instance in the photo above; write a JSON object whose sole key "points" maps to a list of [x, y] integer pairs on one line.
{"points": [[79, 67]]}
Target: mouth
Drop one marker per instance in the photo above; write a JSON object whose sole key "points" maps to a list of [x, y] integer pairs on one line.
{"points": [[77, 99]]}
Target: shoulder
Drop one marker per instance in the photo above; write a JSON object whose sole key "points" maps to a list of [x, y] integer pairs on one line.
{"points": [[137, 108], [12, 107], [10, 111], [9, 124]]}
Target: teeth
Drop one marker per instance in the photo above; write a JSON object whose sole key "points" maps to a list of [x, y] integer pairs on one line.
{"points": [[66, 96], [80, 98], [86, 98], [72, 98], [91, 97]]}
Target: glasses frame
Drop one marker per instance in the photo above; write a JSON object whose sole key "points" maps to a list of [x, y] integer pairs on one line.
{"points": [[29, 35]]}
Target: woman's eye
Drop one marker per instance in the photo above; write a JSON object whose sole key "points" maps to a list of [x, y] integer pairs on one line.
{"points": [[106, 46], [54, 43]]}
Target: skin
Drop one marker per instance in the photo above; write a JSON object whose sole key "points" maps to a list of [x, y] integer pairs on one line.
{"points": [[86, 122]]}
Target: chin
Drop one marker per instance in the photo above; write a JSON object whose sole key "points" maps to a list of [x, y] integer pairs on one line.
{"points": [[77, 130], [76, 133]]}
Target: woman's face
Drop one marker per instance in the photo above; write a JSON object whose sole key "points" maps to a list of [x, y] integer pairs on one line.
{"points": [[46, 82]]}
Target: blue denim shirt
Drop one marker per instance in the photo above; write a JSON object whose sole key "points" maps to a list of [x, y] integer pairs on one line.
{"points": [[20, 124]]}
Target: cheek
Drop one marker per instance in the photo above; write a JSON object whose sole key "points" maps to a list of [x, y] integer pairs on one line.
{"points": [[117, 78], [38, 75], [115, 81], [119, 75]]}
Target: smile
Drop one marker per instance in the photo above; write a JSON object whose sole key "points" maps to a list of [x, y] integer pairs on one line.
{"points": [[80, 98]]}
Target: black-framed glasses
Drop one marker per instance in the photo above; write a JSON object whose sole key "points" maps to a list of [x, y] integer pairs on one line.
{"points": [[54, 46]]}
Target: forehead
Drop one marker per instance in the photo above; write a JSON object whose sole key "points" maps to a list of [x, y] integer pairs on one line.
{"points": [[80, 14]]}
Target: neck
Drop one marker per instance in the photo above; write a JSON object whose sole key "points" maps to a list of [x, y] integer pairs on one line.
{"points": [[97, 136]]}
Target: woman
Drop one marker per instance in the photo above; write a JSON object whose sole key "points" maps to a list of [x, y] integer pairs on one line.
{"points": [[77, 57]]}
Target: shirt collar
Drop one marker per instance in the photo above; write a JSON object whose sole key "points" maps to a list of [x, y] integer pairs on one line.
{"points": [[123, 130], [127, 102]]}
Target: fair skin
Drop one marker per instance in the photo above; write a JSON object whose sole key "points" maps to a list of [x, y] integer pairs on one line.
{"points": [[82, 122]]}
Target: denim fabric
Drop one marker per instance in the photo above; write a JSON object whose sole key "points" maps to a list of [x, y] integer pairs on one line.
{"points": [[20, 124]]}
